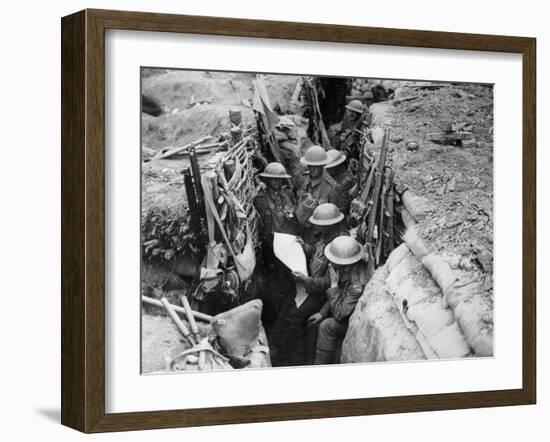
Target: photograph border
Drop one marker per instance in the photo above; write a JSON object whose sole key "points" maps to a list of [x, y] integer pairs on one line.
{"points": [[83, 219]]}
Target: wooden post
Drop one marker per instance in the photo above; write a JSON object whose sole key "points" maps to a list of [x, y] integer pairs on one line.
{"points": [[236, 117], [236, 134], [196, 173], [194, 218], [229, 169]]}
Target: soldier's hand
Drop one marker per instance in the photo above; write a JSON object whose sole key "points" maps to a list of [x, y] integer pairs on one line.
{"points": [[333, 276], [300, 241], [315, 319], [299, 276]]}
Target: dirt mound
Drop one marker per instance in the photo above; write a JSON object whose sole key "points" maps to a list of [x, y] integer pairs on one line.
{"points": [[182, 127], [457, 180], [214, 94]]}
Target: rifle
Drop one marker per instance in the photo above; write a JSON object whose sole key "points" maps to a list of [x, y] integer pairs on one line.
{"points": [[390, 244], [360, 207], [194, 215], [349, 138], [319, 132], [375, 200], [381, 237]]}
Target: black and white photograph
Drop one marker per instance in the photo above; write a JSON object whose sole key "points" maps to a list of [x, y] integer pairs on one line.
{"points": [[299, 220]]}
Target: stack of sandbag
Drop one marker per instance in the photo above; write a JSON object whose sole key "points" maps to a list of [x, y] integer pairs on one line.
{"points": [[420, 301], [469, 296], [376, 331], [465, 291], [402, 315]]}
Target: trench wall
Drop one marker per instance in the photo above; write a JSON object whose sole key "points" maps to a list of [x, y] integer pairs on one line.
{"points": [[423, 303]]}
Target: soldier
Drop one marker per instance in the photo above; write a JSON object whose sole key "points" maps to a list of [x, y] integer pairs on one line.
{"points": [[286, 134], [275, 203], [293, 342], [276, 206], [341, 134], [348, 278], [338, 169], [318, 186]]}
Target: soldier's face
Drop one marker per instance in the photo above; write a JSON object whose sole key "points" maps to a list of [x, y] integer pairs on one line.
{"points": [[353, 116], [275, 183], [315, 171]]}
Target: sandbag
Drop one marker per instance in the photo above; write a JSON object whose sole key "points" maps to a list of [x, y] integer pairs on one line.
{"points": [[238, 329], [441, 270], [397, 254], [382, 113], [376, 330], [466, 295], [407, 218], [412, 286], [417, 206], [414, 242]]}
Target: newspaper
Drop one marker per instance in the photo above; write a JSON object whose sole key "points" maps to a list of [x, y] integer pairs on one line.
{"points": [[289, 251]]}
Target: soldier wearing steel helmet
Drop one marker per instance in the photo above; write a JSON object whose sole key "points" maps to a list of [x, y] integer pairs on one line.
{"points": [[341, 134], [337, 168], [275, 204], [291, 141], [293, 342], [348, 277], [318, 188]]}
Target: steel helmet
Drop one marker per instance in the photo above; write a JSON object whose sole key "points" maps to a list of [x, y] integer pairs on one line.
{"points": [[344, 250], [326, 215], [356, 106], [315, 156], [335, 158], [274, 170]]}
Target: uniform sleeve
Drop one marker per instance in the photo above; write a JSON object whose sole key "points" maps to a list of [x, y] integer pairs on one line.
{"points": [[317, 286], [325, 310], [336, 197], [343, 302]]}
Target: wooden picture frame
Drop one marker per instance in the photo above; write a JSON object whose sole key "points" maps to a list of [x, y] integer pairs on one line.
{"points": [[83, 219]]}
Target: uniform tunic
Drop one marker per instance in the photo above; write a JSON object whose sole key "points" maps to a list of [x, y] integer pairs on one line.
{"points": [[276, 209]]}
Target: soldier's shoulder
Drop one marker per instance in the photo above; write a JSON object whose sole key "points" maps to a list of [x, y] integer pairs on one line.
{"points": [[330, 180]]}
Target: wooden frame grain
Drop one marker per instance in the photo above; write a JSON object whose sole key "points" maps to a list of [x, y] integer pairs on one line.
{"points": [[83, 217]]}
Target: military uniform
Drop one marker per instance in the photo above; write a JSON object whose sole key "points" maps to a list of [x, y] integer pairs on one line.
{"points": [[276, 209], [341, 302], [342, 135], [345, 185], [322, 190]]}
